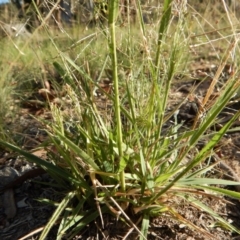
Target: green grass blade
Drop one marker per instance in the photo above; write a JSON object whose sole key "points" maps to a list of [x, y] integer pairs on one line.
{"points": [[52, 169], [164, 24], [76, 149], [70, 220], [202, 181], [145, 226], [61, 207], [201, 156], [232, 194], [86, 218]]}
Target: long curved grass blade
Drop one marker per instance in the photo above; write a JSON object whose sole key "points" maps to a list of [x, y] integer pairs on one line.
{"points": [[61, 207], [52, 169]]}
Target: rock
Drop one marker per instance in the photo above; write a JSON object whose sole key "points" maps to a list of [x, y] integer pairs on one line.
{"points": [[7, 175]]}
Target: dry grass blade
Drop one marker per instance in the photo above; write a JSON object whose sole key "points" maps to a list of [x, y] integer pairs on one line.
{"points": [[10, 37], [132, 229], [121, 211], [44, 21], [204, 104], [94, 182], [31, 233], [190, 224], [218, 73]]}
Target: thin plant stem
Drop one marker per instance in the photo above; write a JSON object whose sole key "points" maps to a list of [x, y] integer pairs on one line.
{"points": [[113, 10]]}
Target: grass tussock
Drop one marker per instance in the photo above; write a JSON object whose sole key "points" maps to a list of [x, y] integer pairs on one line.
{"points": [[119, 148]]}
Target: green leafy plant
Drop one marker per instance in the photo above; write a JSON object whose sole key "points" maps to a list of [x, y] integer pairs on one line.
{"points": [[123, 160]]}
